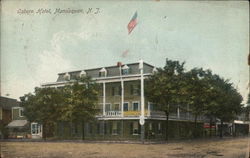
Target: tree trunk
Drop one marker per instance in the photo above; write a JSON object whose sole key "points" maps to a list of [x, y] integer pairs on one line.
{"points": [[83, 128], [221, 128], [167, 118]]}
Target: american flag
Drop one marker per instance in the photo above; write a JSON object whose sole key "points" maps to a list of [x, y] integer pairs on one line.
{"points": [[132, 23]]}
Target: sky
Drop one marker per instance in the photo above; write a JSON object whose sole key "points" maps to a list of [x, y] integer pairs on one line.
{"points": [[36, 47]]}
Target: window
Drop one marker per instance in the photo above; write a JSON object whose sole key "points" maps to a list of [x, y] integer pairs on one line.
{"points": [[20, 112], [125, 70], [36, 128], [103, 72], [116, 91], [82, 74], [114, 128], [151, 106], [67, 76], [135, 106], [116, 107], [135, 89], [135, 128], [108, 107], [125, 107]]}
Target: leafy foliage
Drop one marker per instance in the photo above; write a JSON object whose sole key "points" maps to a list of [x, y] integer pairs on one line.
{"points": [[165, 87], [76, 102], [205, 93]]}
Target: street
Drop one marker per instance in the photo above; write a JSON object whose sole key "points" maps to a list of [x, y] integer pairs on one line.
{"points": [[226, 148]]}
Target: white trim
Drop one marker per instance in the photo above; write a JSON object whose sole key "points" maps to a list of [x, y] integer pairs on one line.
{"points": [[12, 109], [39, 129], [82, 73], [100, 80], [67, 75], [125, 67]]}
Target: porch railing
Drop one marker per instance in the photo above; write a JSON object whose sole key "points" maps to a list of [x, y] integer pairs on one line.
{"points": [[113, 113]]}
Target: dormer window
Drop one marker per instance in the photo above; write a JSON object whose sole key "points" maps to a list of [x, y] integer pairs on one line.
{"points": [[154, 70], [125, 70], [83, 73], [67, 76], [103, 72]]}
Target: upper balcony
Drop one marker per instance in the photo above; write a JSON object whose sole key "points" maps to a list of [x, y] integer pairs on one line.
{"points": [[150, 114]]}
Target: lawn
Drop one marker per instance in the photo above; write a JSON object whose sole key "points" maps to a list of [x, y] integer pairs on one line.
{"points": [[228, 148]]}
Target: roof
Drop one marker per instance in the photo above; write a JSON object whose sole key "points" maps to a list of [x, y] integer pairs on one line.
{"points": [[106, 67], [17, 123], [8, 103], [111, 71]]}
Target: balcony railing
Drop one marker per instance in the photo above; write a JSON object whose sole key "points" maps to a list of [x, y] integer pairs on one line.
{"points": [[134, 113], [181, 116], [172, 116], [113, 113]]}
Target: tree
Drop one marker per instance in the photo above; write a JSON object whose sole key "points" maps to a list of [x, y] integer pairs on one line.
{"points": [[164, 88], [42, 107], [81, 101], [227, 101], [196, 89], [76, 102]]}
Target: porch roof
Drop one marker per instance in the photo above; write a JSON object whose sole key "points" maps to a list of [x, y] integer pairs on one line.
{"points": [[17, 123]]}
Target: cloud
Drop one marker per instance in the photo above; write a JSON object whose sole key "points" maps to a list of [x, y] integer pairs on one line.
{"points": [[52, 61]]}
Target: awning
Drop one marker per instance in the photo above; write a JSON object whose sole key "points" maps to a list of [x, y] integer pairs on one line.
{"points": [[17, 123]]}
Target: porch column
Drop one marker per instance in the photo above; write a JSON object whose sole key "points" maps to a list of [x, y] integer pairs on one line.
{"points": [[122, 96], [104, 97], [178, 112]]}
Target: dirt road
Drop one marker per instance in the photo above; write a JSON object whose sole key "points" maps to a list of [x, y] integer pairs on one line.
{"points": [[227, 148]]}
